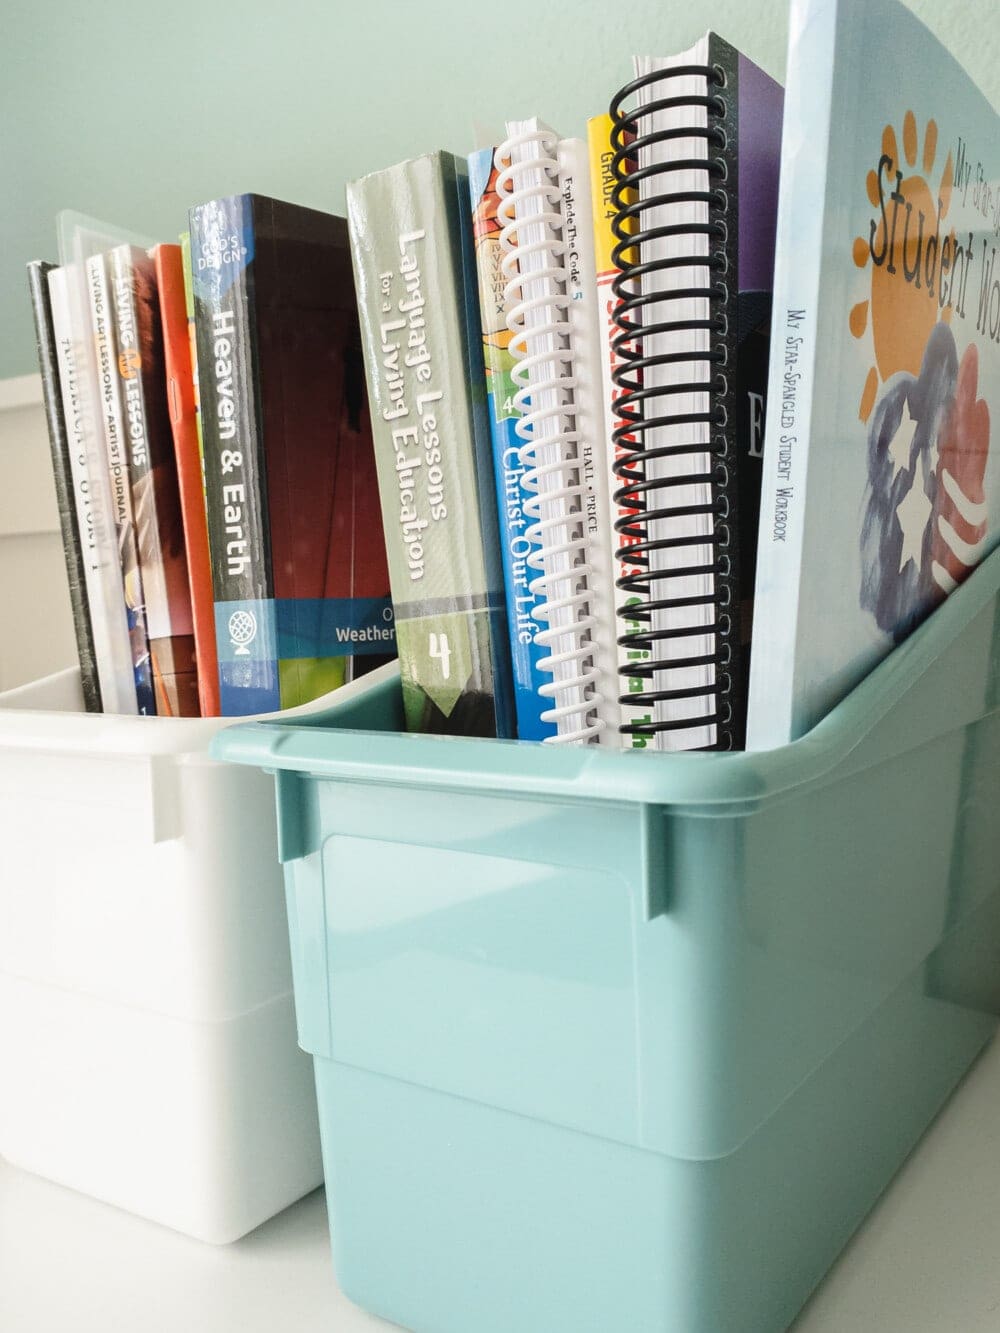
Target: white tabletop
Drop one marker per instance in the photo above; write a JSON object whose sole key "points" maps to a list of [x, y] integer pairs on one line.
{"points": [[926, 1261]]}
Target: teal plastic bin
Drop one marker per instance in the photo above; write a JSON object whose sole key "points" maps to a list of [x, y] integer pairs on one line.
{"points": [[630, 1043]]}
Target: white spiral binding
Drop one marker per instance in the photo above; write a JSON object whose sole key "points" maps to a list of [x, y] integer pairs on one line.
{"points": [[544, 399]]}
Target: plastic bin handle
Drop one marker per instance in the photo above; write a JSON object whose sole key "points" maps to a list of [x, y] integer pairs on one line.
{"points": [[292, 842], [165, 799], [654, 861]]}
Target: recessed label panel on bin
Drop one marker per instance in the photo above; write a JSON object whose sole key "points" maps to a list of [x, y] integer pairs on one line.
{"points": [[528, 968]]}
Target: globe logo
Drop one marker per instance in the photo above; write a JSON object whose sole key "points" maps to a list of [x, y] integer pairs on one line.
{"points": [[242, 628]]}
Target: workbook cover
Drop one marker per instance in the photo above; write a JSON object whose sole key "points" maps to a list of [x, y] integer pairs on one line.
{"points": [[881, 482]]}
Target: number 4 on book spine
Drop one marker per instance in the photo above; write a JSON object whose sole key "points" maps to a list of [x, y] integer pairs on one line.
{"points": [[439, 650]]}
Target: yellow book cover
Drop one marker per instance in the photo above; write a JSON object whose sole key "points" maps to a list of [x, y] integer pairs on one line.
{"points": [[604, 207]]}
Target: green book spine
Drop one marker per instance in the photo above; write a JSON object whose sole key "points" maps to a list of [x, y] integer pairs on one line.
{"points": [[415, 276]]}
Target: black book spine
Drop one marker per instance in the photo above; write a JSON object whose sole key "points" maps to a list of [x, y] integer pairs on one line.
{"points": [[676, 558], [48, 365], [223, 243], [742, 346]]}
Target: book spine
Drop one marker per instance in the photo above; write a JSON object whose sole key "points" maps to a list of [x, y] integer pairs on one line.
{"points": [[776, 709], [537, 290], [190, 476], [751, 128], [585, 345], [409, 228], [92, 491], [222, 254], [369, 568], [112, 425], [355, 587], [76, 525], [523, 627], [153, 482], [635, 718], [682, 381], [478, 483], [694, 324], [185, 242], [675, 316]]}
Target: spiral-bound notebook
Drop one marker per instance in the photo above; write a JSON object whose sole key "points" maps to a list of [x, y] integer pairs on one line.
{"points": [[523, 629], [694, 152], [551, 313]]}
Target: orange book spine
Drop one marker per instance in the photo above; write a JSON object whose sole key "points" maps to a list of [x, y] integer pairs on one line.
{"points": [[180, 397]]}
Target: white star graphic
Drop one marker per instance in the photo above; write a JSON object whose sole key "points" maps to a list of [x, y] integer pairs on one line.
{"points": [[901, 444], [912, 515]]}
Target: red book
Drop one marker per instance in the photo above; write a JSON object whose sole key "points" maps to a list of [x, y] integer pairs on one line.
{"points": [[183, 421]]}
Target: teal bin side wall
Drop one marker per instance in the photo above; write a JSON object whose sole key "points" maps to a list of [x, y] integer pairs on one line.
{"points": [[449, 1215], [635, 1041], [504, 951]]}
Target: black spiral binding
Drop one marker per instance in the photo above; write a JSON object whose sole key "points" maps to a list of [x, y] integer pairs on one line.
{"points": [[638, 412]]}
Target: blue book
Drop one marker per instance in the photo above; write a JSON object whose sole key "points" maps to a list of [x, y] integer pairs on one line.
{"points": [[529, 705], [881, 490]]}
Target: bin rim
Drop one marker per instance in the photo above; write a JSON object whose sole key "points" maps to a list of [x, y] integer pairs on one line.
{"points": [[327, 746], [27, 724]]}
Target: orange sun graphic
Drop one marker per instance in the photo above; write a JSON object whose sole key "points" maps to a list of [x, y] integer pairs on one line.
{"points": [[901, 313]]}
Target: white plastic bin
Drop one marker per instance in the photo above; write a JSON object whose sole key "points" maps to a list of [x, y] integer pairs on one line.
{"points": [[148, 1052], [36, 622]]}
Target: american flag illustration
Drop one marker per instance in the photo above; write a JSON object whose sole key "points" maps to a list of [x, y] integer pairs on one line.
{"points": [[925, 519]]}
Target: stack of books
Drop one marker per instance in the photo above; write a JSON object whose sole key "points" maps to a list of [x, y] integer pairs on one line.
{"points": [[675, 430], [224, 546], [565, 341], [734, 441]]}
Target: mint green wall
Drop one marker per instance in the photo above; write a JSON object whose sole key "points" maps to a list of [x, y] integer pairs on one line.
{"points": [[134, 113]]}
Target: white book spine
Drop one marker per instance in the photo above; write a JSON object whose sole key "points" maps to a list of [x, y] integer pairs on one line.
{"points": [[534, 264], [108, 393], [587, 346], [112, 418], [92, 498], [160, 622], [773, 700]]}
